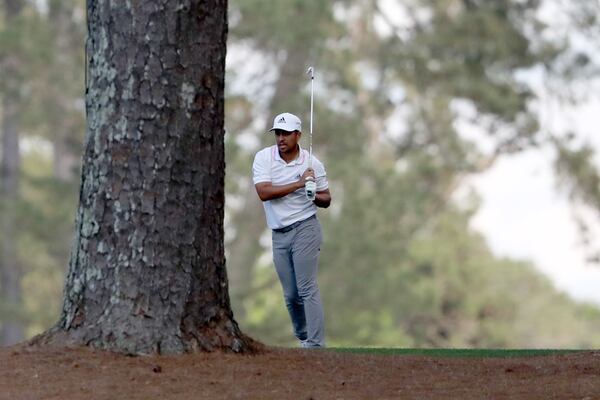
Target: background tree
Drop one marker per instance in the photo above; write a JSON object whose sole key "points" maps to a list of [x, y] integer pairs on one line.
{"points": [[571, 79], [396, 83], [42, 84], [12, 62]]}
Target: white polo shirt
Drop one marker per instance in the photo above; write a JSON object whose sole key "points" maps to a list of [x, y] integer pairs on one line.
{"points": [[268, 166]]}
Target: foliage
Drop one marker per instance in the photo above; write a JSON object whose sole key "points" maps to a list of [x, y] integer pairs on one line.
{"points": [[46, 47], [400, 266]]}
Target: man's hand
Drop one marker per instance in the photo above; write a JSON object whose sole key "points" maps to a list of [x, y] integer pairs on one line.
{"points": [[266, 191], [308, 173]]}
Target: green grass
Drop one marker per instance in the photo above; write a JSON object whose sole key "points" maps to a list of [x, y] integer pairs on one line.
{"points": [[482, 353]]}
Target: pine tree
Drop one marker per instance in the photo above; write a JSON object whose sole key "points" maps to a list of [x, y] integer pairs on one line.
{"points": [[147, 270]]}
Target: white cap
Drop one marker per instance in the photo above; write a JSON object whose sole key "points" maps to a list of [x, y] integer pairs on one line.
{"points": [[287, 122]]}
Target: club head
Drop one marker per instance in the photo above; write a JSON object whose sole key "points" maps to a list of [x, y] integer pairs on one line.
{"points": [[310, 71]]}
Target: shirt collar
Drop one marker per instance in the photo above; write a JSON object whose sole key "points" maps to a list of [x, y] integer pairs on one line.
{"points": [[298, 161]]}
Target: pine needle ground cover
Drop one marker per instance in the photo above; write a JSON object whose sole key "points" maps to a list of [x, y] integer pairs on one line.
{"points": [[28, 372]]}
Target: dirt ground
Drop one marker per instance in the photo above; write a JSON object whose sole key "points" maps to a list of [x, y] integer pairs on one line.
{"points": [[81, 373]]}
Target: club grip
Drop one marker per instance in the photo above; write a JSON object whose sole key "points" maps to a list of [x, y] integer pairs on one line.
{"points": [[311, 189]]}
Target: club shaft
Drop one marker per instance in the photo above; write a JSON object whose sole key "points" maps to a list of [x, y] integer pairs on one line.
{"points": [[312, 85]]}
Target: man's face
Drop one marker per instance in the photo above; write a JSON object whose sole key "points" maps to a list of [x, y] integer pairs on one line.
{"points": [[286, 141]]}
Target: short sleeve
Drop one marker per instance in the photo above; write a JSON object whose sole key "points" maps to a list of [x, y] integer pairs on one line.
{"points": [[261, 168], [321, 174]]}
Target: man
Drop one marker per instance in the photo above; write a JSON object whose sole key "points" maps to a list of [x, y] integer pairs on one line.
{"points": [[280, 173]]}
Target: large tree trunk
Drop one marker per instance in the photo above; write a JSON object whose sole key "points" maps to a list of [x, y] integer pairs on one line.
{"points": [[147, 271], [11, 330]]}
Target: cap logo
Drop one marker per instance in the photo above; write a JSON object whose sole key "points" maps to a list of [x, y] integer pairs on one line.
{"points": [[281, 120]]}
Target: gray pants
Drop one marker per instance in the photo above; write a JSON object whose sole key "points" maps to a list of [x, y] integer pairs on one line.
{"points": [[296, 258]]}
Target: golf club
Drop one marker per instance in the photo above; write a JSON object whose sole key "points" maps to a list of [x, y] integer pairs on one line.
{"points": [[311, 185]]}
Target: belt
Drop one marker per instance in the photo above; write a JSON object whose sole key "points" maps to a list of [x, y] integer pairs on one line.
{"points": [[294, 225]]}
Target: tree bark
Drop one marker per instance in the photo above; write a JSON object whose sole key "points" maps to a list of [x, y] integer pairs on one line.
{"points": [[147, 270]]}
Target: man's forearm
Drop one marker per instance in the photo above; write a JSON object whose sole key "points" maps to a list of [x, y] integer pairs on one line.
{"points": [[269, 192], [322, 200]]}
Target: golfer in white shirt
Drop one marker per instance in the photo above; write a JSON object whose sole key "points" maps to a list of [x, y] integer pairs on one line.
{"points": [[280, 173]]}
